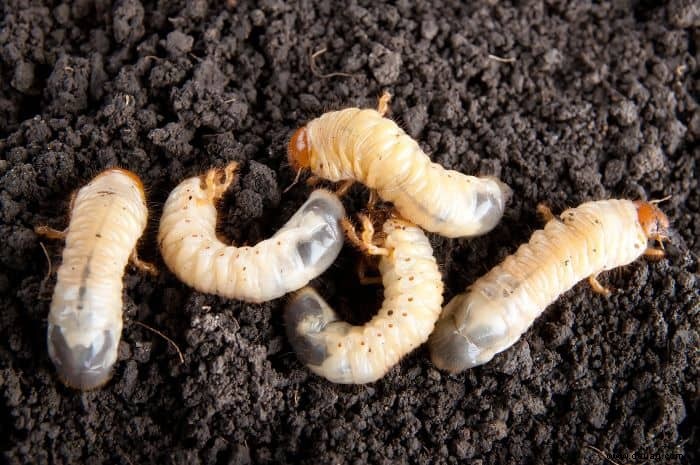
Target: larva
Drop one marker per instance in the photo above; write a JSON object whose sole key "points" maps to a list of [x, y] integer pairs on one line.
{"points": [[305, 246], [108, 216], [413, 287], [362, 145], [499, 307]]}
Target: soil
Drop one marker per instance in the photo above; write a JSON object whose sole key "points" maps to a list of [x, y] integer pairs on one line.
{"points": [[565, 102]]}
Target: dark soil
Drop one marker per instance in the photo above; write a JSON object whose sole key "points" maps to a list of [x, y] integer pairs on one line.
{"points": [[564, 102]]}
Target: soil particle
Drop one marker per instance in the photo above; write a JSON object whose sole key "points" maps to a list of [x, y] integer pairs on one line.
{"points": [[128, 21], [67, 86], [385, 64], [564, 101], [178, 44]]}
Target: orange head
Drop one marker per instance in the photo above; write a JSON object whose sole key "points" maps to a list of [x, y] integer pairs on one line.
{"points": [[129, 174], [653, 221], [299, 149]]}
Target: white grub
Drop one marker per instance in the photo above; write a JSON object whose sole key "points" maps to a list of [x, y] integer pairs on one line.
{"points": [[108, 216], [500, 306], [303, 249], [362, 145], [413, 288]]}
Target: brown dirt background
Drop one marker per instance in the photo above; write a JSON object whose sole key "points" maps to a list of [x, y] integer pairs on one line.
{"points": [[593, 101]]}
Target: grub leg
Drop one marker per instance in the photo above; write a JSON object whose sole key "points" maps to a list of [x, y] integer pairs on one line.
{"points": [[383, 103], [653, 253], [545, 212], [149, 268], [50, 232], [597, 287], [365, 242]]}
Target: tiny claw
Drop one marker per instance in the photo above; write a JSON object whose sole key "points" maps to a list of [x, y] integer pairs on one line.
{"points": [[367, 229], [654, 253], [383, 103], [545, 212], [597, 287], [147, 267]]}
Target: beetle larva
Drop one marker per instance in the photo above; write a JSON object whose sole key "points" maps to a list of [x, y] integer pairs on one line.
{"points": [[363, 145], [108, 216], [305, 246], [499, 307], [413, 287]]}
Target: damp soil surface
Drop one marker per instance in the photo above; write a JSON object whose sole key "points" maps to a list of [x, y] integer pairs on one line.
{"points": [[565, 102]]}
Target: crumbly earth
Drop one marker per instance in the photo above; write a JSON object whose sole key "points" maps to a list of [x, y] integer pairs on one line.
{"points": [[565, 102]]}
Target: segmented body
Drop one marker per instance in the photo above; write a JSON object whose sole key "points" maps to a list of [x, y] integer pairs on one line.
{"points": [[344, 353], [500, 306], [301, 250], [362, 145], [108, 216]]}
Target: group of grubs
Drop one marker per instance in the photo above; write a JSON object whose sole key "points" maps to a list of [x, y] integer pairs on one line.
{"points": [[109, 215]]}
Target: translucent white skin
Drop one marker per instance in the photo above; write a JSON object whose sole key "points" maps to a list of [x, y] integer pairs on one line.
{"points": [[85, 321], [361, 145], [500, 306], [303, 249], [343, 353]]}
